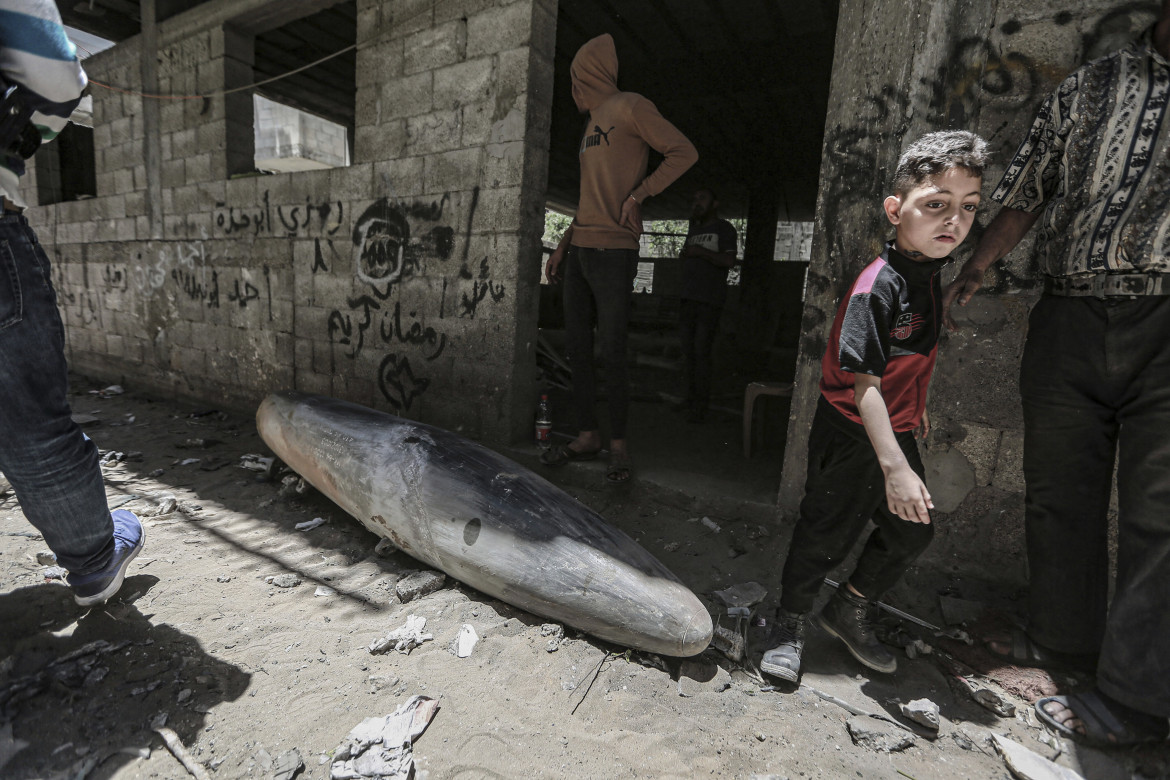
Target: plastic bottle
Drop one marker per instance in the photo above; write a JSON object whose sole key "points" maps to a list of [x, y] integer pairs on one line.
{"points": [[544, 423]]}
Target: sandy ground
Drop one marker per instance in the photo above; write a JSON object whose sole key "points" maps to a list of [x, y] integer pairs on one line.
{"points": [[247, 671]]}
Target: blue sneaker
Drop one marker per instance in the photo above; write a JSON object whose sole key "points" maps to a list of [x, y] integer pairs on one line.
{"points": [[97, 587]]}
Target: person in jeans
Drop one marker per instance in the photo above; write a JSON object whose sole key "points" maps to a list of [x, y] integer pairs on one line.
{"points": [[707, 255], [598, 255], [52, 466], [1094, 171], [863, 460]]}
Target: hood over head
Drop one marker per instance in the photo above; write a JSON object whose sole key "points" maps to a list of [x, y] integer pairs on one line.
{"points": [[594, 72]]}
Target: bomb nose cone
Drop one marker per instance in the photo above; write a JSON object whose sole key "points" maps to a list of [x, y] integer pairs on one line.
{"points": [[696, 637]]}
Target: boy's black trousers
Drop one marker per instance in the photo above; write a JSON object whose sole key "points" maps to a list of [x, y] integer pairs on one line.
{"points": [[845, 489]]}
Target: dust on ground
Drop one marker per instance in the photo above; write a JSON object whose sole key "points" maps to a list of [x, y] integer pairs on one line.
{"points": [[248, 671]]}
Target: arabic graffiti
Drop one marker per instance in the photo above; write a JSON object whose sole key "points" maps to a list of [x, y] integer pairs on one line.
{"points": [[385, 251], [323, 218]]}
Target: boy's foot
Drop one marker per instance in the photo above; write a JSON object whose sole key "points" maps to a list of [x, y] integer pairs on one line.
{"points": [[97, 587], [846, 617], [783, 660]]}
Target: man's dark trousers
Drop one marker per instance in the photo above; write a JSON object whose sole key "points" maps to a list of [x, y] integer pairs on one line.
{"points": [[1095, 382], [844, 490], [698, 323], [600, 279]]}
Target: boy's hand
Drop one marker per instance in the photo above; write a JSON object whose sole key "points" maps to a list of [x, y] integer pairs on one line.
{"points": [[907, 495], [966, 284], [923, 429]]}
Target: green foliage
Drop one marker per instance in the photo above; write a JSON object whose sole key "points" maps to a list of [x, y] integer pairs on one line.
{"points": [[555, 225]]}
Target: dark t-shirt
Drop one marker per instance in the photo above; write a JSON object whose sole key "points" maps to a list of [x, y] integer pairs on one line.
{"points": [[702, 280], [888, 326]]}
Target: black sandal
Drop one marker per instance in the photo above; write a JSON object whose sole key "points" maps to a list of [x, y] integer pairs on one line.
{"points": [[1107, 723], [620, 471], [563, 453]]}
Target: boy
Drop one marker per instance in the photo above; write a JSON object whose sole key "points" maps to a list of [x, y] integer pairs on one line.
{"points": [[863, 460]]}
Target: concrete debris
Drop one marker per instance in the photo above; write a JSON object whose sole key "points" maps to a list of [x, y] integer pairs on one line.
{"points": [[223, 578], [293, 485], [113, 457], [47, 558], [746, 594], [309, 525], [994, 702], [671, 546], [186, 462], [711, 524], [465, 641], [381, 748], [384, 548], [380, 682], [183, 696], [871, 734], [555, 630], [923, 712], [9, 746], [324, 590], [403, 639], [287, 765], [167, 504], [419, 584], [157, 473], [728, 642], [54, 573], [1029, 765], [917, 648], [254, 462], [552, 646], [283, 580]]}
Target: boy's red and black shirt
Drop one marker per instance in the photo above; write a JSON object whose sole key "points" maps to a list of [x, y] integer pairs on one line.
{"points": [[887, 326]]}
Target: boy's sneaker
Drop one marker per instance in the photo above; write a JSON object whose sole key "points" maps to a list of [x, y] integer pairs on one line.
{"points": [[846, 617], [783, 660], [97, 587]]}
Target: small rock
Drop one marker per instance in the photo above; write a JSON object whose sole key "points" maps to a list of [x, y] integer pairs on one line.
{"points": [[157, 473], [183, 695], [868, 733], [54, 573], [465, 641], [917, 648], [324, 590], [761, 736], [555, 630], [223, 578], [283, 580], [671, 547], [922, 711], [711, 524], [419, 584], [994, 702], [380, 682], [287, 765], [553, 646], [47, 558]]}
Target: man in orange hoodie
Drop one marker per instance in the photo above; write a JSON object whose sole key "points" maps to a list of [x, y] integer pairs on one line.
{"points": [[598, 255]]}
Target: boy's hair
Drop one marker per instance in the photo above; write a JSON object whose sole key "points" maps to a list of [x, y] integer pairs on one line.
{"points": [[936, 153]]}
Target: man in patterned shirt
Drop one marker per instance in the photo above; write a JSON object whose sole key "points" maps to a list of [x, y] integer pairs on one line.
{"points": [[1094, 171]]}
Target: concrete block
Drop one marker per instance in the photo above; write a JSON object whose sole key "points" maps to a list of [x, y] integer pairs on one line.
{"points": [[458, 170], [439, 131], [443, 44], [499, 210], [419, 584], [404, 17], [399, 178], [498, 29], [408, 95], [465, 82], [1009, 468], [199, 168], [504, 164]]}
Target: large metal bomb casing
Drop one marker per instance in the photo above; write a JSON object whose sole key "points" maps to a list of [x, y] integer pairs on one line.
{"points": [[486, 521]]}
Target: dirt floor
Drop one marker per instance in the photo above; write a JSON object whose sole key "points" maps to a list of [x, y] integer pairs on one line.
{"points": [[247, 671]]}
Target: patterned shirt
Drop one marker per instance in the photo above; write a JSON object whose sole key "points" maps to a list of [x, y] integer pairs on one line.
{"points": [[37, 55], [1098, 157]]}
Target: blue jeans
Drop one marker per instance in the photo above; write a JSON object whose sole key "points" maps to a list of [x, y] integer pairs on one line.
{"points": [[52, 465]]}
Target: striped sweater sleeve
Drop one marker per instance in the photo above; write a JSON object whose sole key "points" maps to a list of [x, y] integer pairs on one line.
{"points": [[36, 54]]}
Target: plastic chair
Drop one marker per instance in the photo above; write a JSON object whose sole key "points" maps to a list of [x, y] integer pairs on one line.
{"points": [[755, 390]]}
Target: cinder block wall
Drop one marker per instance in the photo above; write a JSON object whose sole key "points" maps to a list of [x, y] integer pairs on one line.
{"points": [[984, 66], [407, 281]]}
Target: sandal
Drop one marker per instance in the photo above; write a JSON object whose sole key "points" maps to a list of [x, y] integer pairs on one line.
{"points": [[1106, 723], [1026, 651], [620, 470], [563, 453]]}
